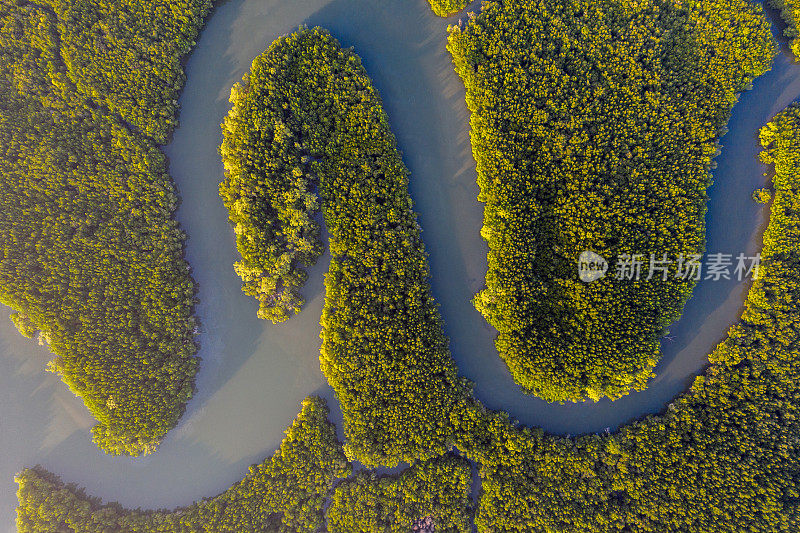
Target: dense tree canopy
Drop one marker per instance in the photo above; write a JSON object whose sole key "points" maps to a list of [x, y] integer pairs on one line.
{"points": [[434, 493], [444, 8], [308, 119], [594, 125], [723, 457], [126, 55], [90, 255], [284, 494]]}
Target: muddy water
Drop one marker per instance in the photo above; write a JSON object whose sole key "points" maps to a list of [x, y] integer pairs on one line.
{"points": [[254, 374]]}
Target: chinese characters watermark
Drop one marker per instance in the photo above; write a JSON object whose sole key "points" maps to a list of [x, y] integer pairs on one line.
{"points": [[636, 267]]}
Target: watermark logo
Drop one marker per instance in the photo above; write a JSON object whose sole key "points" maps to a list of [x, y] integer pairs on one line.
{"points": [[637, 267], [591, 266]]}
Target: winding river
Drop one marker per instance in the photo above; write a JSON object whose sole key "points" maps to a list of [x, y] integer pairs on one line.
{"points": [[254, 374]]}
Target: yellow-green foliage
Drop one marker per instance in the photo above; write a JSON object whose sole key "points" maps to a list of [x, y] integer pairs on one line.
{"points": [[308, 117], [723, 457], [272, 204], [439, 489], [24, 325], [444, 8], [282, 495], [593, 128], [790, 12], [126, 55], [762, 196], [89, 252]]}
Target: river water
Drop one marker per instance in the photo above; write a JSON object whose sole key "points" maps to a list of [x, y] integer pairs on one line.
{"points": [[255, 374]]}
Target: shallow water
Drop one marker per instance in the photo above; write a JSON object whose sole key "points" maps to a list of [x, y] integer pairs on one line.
{"points": [[254, 374]]}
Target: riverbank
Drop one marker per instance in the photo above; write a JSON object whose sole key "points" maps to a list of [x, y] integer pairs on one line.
{"points": [[253, 375]]}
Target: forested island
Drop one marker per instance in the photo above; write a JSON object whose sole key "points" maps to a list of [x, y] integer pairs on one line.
{"points": [[723, 457], [91, 258], [444, 8], [594, 125], [306, 129], [308, 133]]}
